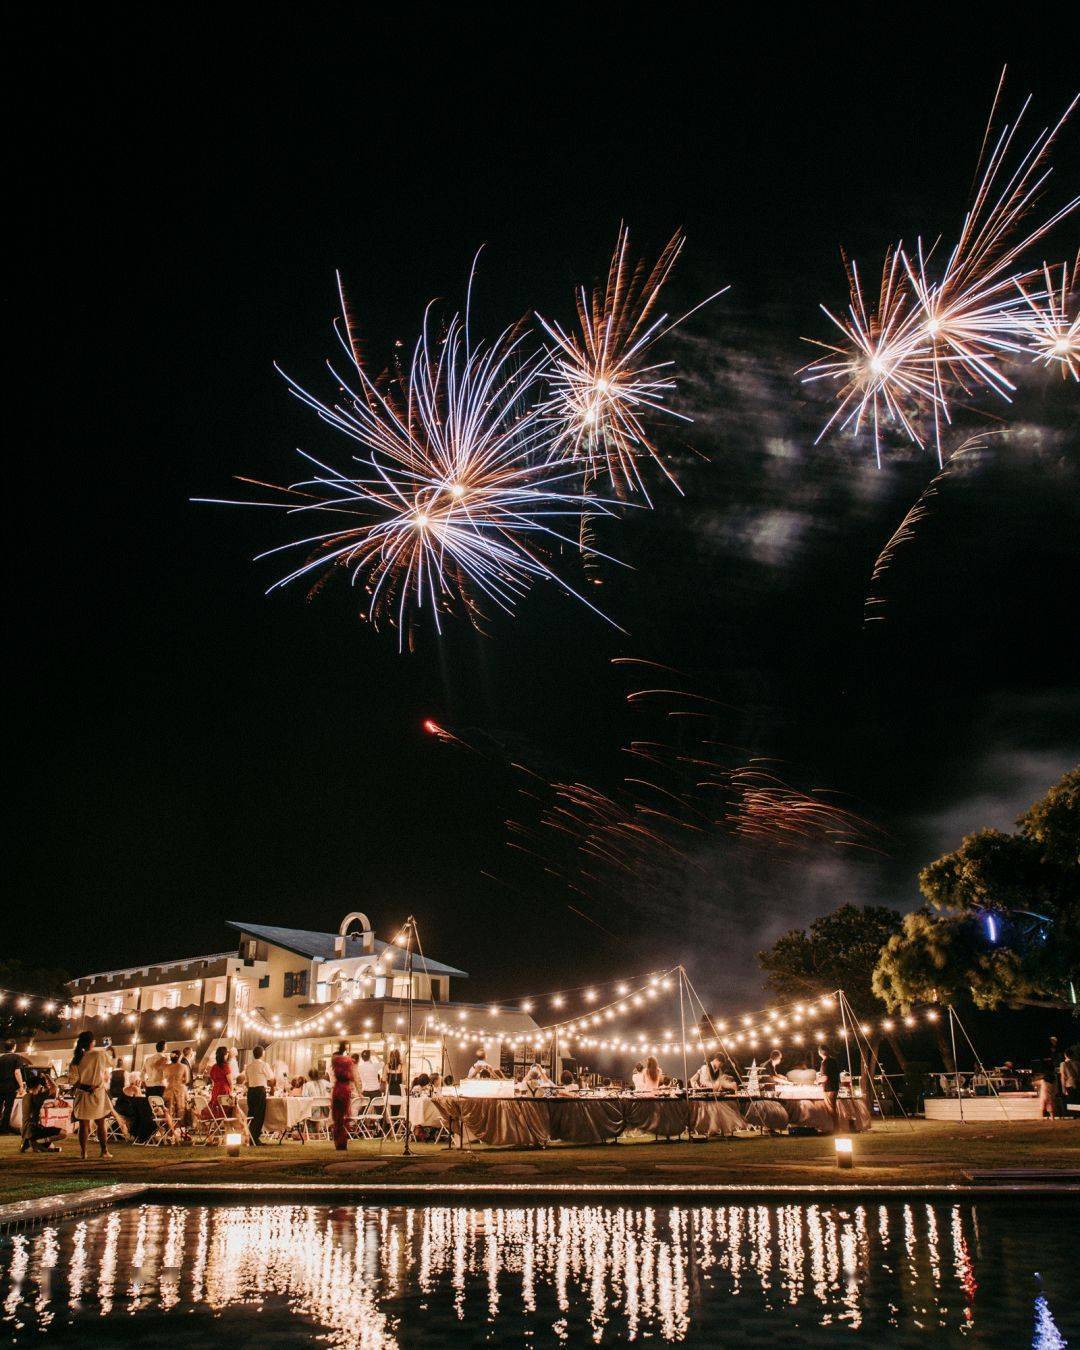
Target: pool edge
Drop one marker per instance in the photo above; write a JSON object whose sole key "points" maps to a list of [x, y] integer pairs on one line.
{"points": [[22, 1215]]}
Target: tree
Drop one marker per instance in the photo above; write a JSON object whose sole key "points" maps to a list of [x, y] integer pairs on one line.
{"points": [[837, 951], [1003, 919], [17, 978]]}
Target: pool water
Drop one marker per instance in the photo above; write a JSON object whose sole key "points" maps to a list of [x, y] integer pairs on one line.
{"points": [[985, 1274]]}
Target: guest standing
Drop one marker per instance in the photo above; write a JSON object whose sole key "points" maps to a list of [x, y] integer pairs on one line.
{"points": [[259, 1078], [344, 1071], [175, 1083], [154, 1071], [1069, 1077], [829, 1079], [368, 1073], [221, 1083], [11, 1083], [394, 1078], [89, 1073]]}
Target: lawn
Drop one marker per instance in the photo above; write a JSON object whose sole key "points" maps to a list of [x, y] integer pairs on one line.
{"points": [[892, 1153]]}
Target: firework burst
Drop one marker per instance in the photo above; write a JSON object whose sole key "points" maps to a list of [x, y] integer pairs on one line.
{"points": [[452, 500], [939, 335], [603, 382], [1052, 337], [883, 367]]}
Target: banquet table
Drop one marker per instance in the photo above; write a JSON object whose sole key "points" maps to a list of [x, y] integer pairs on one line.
{"points": [[286, 1113], [424, 1113], [535, 1121]]}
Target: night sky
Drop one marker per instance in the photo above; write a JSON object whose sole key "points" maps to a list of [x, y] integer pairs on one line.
{"points": [[188, 751]]}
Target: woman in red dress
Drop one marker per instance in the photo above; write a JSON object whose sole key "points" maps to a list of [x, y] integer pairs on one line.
{"points": [[221, 1082], [344, 1071]]}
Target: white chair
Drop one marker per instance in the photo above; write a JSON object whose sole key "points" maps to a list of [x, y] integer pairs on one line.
{"points": [[364, 1120], [395, 1117], [162, 1130]]}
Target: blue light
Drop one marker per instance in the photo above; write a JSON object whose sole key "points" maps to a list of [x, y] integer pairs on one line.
{"points": [[991, 927]]}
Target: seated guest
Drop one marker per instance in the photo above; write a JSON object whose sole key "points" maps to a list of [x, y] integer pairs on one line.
{"points": [[449, 1083], [712, 1078], [421, 1086], [638, 1077], [481, 1068], [567, 1082], [435, 1086], [39, 1087], [133, 1107], [650, 1078], [116, 1082], [770, 1070], [313, 1087], [296, 1086], [536, 1077], [799, 1073]]}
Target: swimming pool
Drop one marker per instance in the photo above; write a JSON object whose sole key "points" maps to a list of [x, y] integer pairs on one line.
{"points": [[985, 1273]]}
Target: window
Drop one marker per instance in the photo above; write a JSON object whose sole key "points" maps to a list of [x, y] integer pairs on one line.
{"points": [[296, 983]]}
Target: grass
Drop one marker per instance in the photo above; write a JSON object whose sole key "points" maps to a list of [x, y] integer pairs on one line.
{"points": [[930, 1152]]}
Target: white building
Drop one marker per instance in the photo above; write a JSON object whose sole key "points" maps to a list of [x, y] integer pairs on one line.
{"points": [[296, 991]]}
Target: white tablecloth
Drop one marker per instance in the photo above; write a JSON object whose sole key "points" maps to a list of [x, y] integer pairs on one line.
{"points": [[285, 1113]]}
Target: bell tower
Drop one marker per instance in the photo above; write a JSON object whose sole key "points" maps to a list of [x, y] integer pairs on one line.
{"points": [[355, 943]]}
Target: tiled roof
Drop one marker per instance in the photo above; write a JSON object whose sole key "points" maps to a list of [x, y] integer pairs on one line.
{"points": [[306, 943]]}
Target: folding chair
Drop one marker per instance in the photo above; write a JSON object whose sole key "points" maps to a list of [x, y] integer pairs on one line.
{"points": [[395, 1126], [317, 1125], [162, 1127], [362, 1122], [117, 1129]]}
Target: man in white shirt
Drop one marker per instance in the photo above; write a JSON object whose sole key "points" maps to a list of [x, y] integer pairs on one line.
{"points": [[258, 1077], [154, 1071], [370, 1074]]}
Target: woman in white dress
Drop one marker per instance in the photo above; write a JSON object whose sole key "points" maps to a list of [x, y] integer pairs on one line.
{"points": [[89, 1074]]}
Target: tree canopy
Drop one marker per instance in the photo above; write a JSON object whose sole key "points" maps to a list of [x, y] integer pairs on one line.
{"points": [[837, 951], [1003, 919], [17, 978]]}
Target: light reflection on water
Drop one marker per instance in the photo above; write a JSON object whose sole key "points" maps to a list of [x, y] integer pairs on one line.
{"points": [[606, 1274]]}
